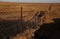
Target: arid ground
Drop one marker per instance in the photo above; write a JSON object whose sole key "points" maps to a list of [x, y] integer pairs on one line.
{"points": [[12, 11]]}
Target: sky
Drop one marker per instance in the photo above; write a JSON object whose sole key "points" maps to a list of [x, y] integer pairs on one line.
{"points": [[32, 1]]}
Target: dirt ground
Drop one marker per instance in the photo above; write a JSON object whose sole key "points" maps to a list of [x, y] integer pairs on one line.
{"points": [[12, 11]]}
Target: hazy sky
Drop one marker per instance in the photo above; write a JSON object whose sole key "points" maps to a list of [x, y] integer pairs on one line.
{"points": [[37, 1]]}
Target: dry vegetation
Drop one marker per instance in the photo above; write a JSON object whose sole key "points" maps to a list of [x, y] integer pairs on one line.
{"points": [[12, 11]]}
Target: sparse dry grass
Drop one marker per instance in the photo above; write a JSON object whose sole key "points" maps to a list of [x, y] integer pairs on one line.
{"points": [[12, 11]]}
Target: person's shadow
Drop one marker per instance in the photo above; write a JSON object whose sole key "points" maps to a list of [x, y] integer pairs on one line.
{"points": [[49, 31]]}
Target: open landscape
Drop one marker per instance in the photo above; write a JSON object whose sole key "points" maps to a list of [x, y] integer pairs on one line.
{"points": [[10, 11], [28, 9]]}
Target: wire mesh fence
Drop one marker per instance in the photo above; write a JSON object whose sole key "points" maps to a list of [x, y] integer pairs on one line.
{"points": [[12, 23]]}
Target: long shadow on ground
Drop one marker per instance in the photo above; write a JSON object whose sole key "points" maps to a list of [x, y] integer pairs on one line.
{"points": [[49, 31]]}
